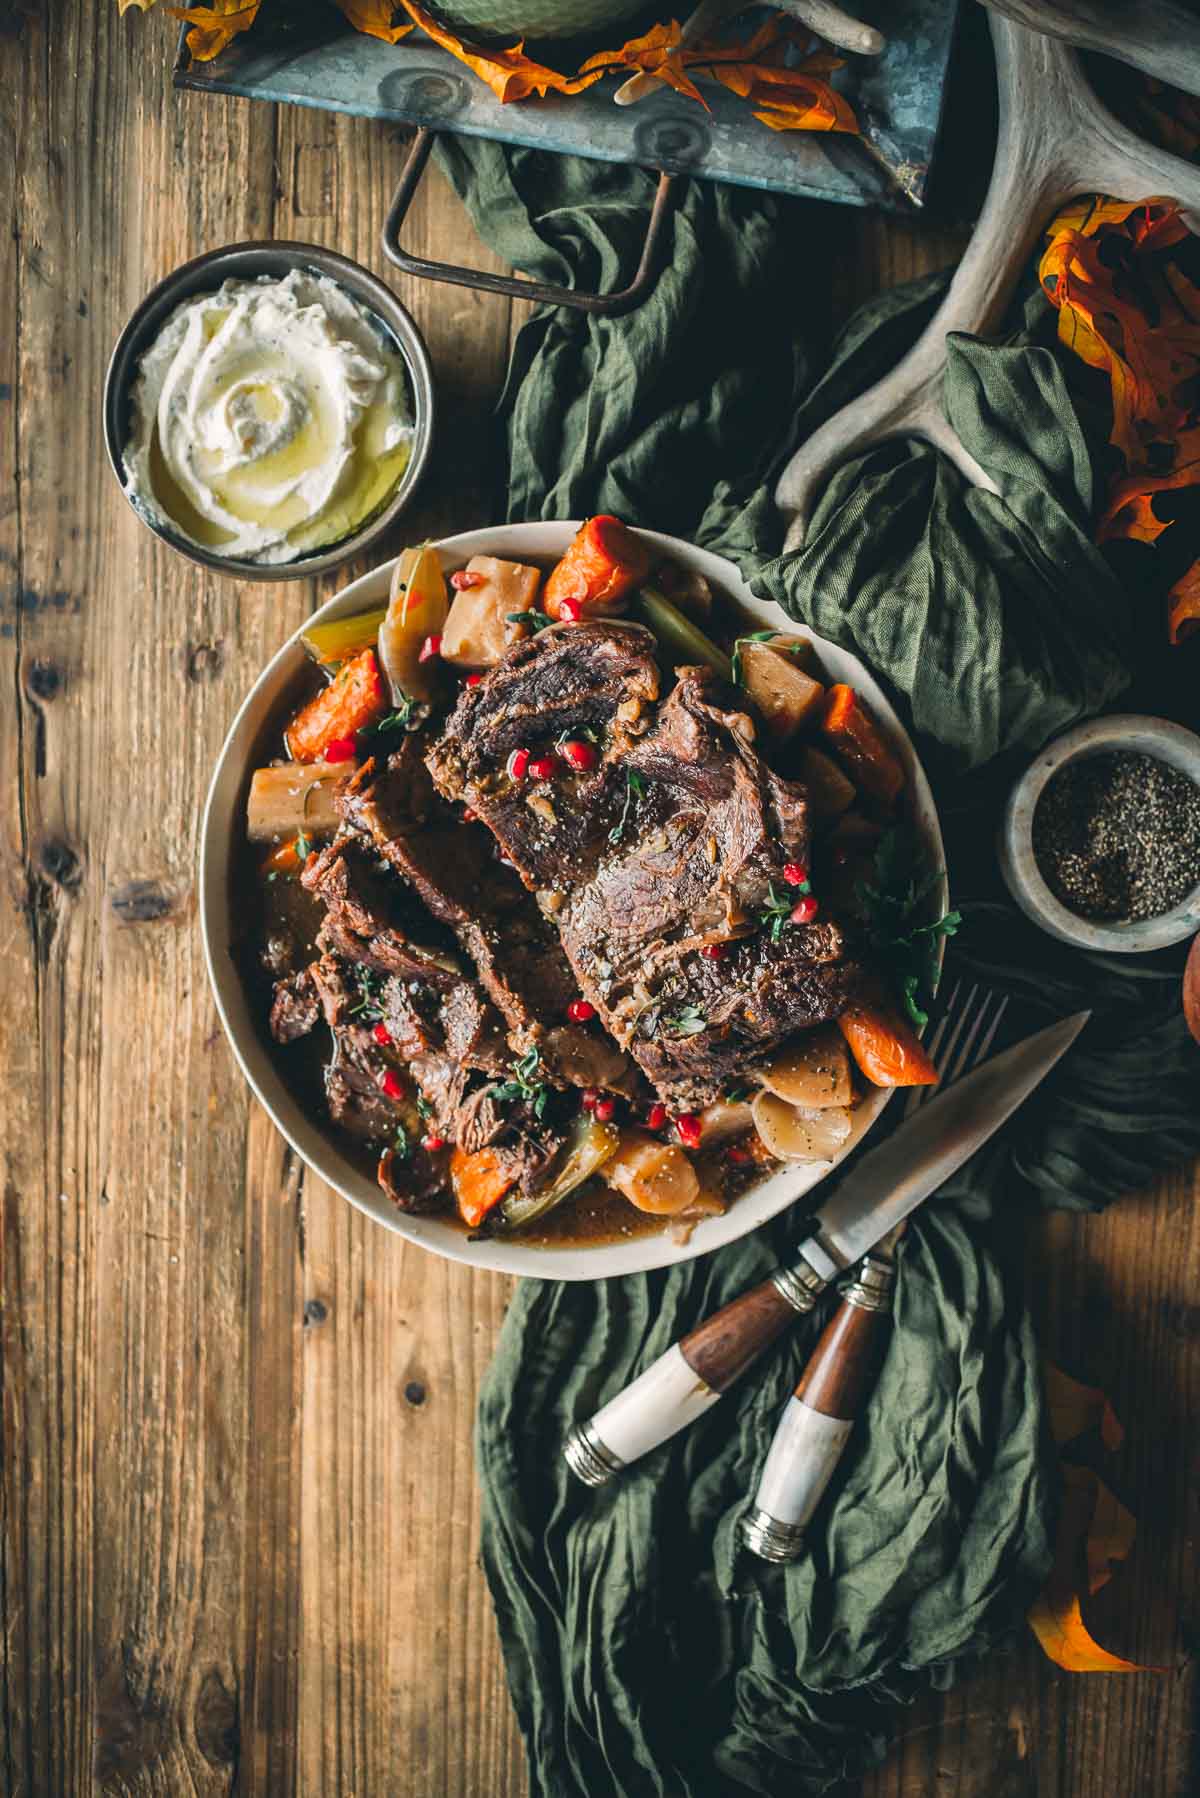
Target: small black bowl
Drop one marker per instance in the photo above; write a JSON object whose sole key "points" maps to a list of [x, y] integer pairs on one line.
{"points": [[247, 261]]}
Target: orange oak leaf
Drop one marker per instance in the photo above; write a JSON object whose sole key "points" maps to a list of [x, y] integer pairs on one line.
{"points": [[1074, 1408], [1127, 307], [510, 74], [1095, 1532], [215, 25], [657, 53], [378, 18]]}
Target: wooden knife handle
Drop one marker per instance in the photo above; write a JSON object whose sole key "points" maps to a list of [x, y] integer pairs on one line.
{"points": [[819, 1417], [691, 1376]]}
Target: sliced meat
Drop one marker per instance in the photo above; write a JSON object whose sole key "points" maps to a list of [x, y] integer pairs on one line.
{"points": [[675, 842], [368, 922], [453, 868], [295, 1008]]}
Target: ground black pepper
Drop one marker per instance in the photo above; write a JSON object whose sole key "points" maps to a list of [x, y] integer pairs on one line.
{"points": [[1117, 835]]}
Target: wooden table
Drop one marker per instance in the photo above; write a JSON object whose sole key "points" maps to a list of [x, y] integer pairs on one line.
{"points": [[239, 1528]]}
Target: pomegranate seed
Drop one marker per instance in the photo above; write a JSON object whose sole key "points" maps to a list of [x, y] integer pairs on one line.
{"points": [[464, 578], [383, 1036], [517, 764], [738, 1155], [713, 951], [433, 1143], [656, 1117], [805, 910], [431, 647], [342, 749], [542, 767], [688, 1128], [473, 680], [468, 816], [795, 874], [392, 1084], [581, 756], [604, 1111], [570, 611], [580, 1011], [588, 1098]]}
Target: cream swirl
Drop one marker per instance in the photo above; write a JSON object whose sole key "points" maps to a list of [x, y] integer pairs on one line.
{"points": [[270, 418]]}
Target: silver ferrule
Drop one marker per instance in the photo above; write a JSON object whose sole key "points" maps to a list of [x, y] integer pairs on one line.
{"points": [[770, 1539], [800, 1284], [871, 1288], [589, 1459]]}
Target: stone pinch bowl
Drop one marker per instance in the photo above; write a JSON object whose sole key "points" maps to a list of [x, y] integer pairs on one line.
{"points": [[246, 262], [1156, 737]]}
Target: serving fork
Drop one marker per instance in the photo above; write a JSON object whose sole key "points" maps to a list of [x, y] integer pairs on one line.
{"points": [[696, 1372]]}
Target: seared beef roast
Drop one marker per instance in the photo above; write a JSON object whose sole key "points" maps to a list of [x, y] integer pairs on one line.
{"points": [[673, 843]]}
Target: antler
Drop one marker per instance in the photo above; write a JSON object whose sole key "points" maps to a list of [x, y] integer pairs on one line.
{"points": [[1055, 141]]}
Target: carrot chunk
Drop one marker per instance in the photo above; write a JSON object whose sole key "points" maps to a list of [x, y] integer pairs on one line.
{"points": [[480, 1181], [859, 741], [352, 700], [886, 1048], [599, 571]]}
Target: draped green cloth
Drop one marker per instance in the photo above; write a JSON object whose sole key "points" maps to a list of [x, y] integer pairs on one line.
{"points": [[646, 1652]]}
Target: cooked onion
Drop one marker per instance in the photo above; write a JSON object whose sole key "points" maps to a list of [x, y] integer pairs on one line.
{"points": [[813, 1071], [792, 1133], [655, 1176]]}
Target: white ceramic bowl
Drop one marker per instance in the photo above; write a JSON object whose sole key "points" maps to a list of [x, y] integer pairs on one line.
{"points": [[1126, 730], [222, 835]]}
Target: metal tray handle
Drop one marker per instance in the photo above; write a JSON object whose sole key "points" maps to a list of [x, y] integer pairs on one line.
{"points": [[608, 304]]}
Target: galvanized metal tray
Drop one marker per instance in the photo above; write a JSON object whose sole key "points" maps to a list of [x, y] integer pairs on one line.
{"points": [[313, 58]]}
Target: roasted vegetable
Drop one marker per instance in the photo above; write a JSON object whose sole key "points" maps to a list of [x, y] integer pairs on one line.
{"points": [[495, 610], [588, 1150], [786, 695], [416, 617], [353, 700], [603, 566], [684, 641], [792, 1133], [655, 1176], [291, 798], [724, 1119], [886, 1048], [340, 638], [813, 1071], [858, 740], [479, 1181], [829, 791]]}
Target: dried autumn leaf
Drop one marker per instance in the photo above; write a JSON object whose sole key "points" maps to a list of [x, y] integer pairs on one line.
{"points": [[1095, 1532], [657, 54], [510, 74], [378, 18], [1074, 1408], [1127, 307], [216, 25]]}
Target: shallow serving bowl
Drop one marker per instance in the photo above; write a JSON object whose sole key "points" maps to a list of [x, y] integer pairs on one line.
{"points": [[219, 922], [245, 262], [1156, 737]]}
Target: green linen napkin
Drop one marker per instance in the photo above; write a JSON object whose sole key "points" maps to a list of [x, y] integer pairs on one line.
{"points": [[646, 1653]]}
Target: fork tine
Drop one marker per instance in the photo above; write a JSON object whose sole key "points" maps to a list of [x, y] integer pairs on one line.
{"points": [[989, 1038], [967, 1055], [918, 1094], [958, 1011]]}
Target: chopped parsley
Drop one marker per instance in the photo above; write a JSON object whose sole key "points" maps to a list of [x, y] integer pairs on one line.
{"points": [[523, 1085], [537, 621], [635, 786], [424, 1108], [689, 1020], [777, 911], [892, 901], [401, 1144], [303, 847], [403, 718], [368, 1006]]}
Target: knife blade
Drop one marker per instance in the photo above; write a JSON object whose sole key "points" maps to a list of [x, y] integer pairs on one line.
{"points": [[874, 1196], [892, 1180]]}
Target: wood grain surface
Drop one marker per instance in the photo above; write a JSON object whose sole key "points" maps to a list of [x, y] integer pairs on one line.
{"points": [[238, 1518]]}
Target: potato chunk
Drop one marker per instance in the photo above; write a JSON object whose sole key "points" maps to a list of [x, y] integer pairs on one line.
{"points": [[479, 627], [787, 696], [829, 791]]}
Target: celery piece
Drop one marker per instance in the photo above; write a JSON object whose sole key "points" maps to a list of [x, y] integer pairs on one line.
{"points": [[589, 1147], [340, 638], [685, 641]]}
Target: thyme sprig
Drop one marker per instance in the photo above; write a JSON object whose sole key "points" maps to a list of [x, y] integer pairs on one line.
{"points": [[523, 1085]]}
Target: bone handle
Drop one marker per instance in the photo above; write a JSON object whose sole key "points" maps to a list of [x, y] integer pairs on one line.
{"points": [[691, 1377], [818, 1420], [1055, 141]]}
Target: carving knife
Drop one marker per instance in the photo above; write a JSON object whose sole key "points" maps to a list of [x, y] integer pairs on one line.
{"points": [[878, 1193]]}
